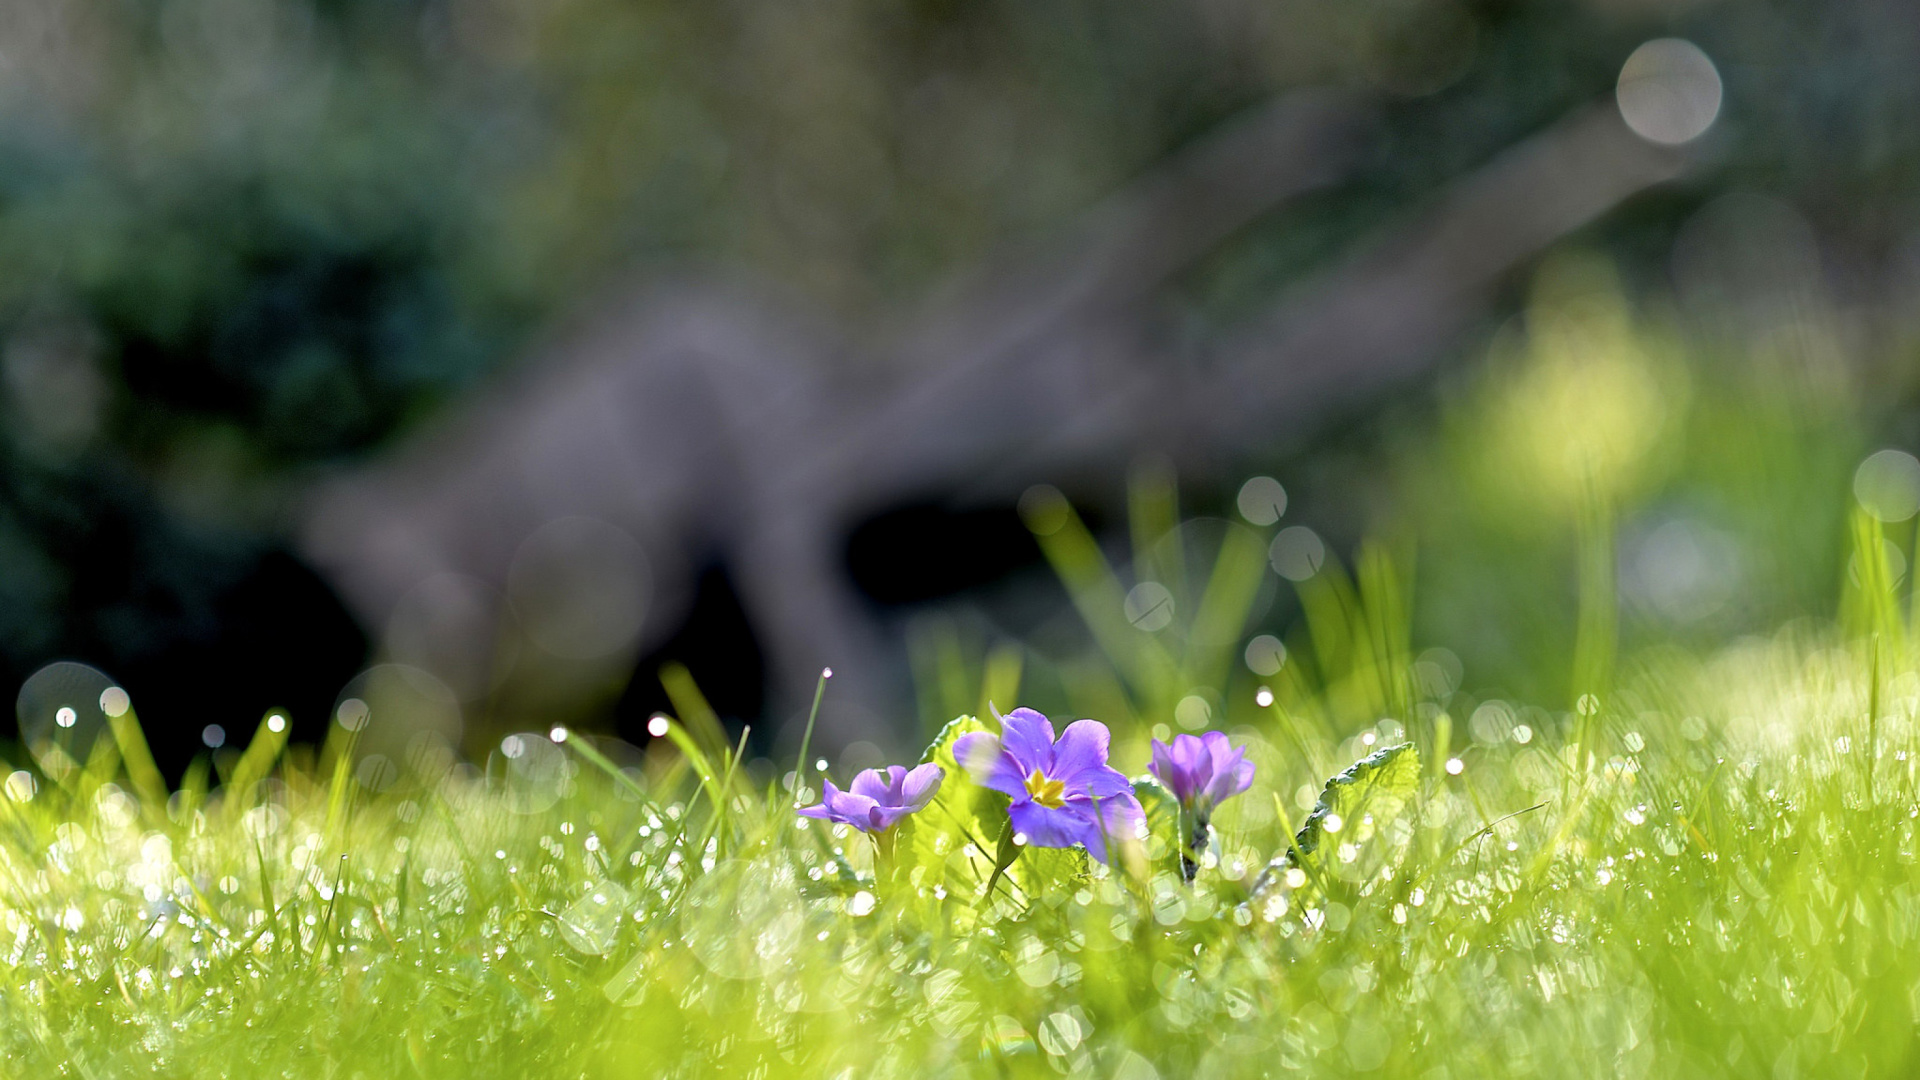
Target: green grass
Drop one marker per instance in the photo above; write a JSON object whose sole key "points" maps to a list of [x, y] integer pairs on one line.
{"points": [[1709, 872], [1670, 851]]}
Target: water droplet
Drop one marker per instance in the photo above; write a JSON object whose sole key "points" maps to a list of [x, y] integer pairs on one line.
{"points": [[214, 736], [861, 903], [558, 734], [276, 723], [1263, 697], [1455, 766], [591, 924], [657, 726], [114, 701]]}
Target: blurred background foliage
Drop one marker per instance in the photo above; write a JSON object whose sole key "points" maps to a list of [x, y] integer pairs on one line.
{"points": [[244, 241]]}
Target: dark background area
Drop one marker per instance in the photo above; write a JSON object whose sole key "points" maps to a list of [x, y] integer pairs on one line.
{"points": [[246, 243]]}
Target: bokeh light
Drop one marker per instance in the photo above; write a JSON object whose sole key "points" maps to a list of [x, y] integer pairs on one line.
{"points": [[1887, 484], [1262, 501], [60, 715], [1297, 553], [581, 587], [389, 708], [1149, 606], [1669, 91], [1265, 655]]}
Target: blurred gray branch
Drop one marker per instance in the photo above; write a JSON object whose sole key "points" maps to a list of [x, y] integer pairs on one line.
{"points": [[704, 417]]}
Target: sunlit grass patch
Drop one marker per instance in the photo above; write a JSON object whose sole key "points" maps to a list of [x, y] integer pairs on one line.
{"points": [[1700, 863], [1713, 873]]}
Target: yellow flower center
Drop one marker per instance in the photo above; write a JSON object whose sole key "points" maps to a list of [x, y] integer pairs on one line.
{"points": [[1048, 793]]}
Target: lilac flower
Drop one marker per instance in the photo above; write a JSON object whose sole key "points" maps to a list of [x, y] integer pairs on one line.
{"points": [[1201, 772], [1055, 786], [877, 801]]}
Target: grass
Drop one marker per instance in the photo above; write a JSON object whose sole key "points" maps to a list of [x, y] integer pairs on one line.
{"points": [[1710, 871], [1697, 860]]}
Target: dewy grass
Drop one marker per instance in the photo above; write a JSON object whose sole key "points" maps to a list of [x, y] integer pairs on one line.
{"points": [[1708, 869]]}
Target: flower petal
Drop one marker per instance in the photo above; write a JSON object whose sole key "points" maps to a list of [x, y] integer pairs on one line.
{"points": [[1119, 822], [1028, 737], [822, 809], [1232, 780], [988, 762], [1164, 770], [851, 809], [1198, 755], [1106, 783], [1051, 827], [1081, 752], [918, 787], [877, 785]]}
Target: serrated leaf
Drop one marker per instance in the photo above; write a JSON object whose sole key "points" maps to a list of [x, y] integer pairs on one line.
{"points": [[1049, 876], [1164, 827], [1350, 837], [935, 841]]}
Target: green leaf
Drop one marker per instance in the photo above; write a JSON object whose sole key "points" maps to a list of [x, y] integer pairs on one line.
{"points": [[1164, 827], [952, 843], [1351, 835]]}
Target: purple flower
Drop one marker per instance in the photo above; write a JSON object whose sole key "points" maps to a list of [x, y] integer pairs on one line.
{"points": [[1201, 772], [1056, 786], [877, 801]]}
